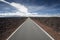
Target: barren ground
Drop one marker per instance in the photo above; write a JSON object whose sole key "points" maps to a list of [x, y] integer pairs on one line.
{"points": [[8, 25], [50, 25]]}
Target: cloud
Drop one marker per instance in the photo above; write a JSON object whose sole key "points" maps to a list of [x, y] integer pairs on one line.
{"points": [[20, 7], [6, 8], [37, 2], [24, 11], [36, 8], [47, 3]]}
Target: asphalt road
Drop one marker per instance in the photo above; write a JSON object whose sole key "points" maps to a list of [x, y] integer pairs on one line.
{"points": [[29, 31]]}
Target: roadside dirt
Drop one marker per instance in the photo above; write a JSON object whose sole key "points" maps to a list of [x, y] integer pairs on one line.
{"points": [[49, 30], [9, 25]]}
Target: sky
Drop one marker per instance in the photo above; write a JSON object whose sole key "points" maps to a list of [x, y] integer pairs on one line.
{"points": [[31, 7], [6, 8]]}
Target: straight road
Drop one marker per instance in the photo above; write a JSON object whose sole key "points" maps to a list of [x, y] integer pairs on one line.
{"points": [[29, 31]]}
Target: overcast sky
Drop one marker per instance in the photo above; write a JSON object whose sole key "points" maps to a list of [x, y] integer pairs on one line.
{"points": [[34, 6]]}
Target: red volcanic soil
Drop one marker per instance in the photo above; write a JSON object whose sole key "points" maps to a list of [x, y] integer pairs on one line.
{"points": [[50, 24], [8, 25]]}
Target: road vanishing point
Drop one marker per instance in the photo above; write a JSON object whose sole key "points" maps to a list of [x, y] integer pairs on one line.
{"points": [[29, 30]]}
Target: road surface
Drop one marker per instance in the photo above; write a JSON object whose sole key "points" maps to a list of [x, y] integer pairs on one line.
{"points": [[29, 31]]}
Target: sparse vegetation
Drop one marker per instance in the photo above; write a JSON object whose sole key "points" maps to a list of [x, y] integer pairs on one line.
{"points": [[50, 24], [53, 22], [8, 25]]}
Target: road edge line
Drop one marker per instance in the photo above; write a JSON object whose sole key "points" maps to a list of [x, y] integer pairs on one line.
{"points": [[16, 30], [43, 30]]}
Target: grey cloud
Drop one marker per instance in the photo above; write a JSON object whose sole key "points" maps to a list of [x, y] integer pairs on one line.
{"points": [[4, 8]]}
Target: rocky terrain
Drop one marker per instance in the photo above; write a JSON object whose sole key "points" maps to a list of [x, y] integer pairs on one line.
{"points": [[8, 25], [49, 24]]}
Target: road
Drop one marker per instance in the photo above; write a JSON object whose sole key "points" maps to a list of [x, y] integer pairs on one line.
{"points": [[29, 31]]}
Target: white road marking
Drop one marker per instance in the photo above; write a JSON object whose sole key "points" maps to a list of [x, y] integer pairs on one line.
{"points": [[43, 30], [16, 30], [34, 23]]}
